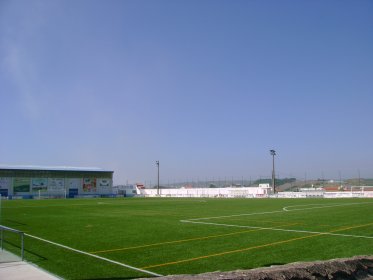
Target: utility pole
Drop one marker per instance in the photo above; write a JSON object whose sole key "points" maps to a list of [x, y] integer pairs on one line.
{"points": [[273, 153], [157, 163], [340, 179]]}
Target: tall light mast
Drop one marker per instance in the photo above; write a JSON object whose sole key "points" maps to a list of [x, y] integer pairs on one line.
{"points": [[273, 153], [157, 163]]}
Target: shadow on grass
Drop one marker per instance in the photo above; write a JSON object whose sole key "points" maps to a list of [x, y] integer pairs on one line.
{"points": [[15, 248], [41, 258], [14, 222], [272, 264]]}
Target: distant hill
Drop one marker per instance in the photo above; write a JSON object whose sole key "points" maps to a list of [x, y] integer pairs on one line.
{"points": [[363, 182]]}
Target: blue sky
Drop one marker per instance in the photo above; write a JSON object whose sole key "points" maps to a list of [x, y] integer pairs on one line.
{"points": [[205, 87]]}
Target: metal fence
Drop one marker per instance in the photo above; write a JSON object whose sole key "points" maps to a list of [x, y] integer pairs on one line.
{"points": [[4, 229]]}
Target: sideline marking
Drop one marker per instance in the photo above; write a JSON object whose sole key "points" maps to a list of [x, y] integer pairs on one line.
{"points": [[112, 203], [94, 256], [322, 206], [253, 247], [287, 230], [279, 211], [182, 240]]}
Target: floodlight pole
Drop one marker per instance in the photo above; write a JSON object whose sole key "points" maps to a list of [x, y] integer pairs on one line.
{"points": [[273, 153], [157, 162]]}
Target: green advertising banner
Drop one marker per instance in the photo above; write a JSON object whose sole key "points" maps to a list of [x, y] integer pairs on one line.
{"points": [[39, 184], [21, 185]]}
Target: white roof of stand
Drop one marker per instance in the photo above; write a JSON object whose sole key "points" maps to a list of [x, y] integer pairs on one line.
{"points": [[52, 168]]}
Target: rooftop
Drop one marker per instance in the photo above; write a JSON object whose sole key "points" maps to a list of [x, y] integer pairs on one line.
{"points": [[52, 168]]}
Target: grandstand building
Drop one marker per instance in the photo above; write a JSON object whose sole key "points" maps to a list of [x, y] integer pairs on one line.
{"points": [[39, 181]]}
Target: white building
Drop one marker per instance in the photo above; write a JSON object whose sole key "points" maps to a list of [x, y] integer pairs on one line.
{"points": [[248, 192]]}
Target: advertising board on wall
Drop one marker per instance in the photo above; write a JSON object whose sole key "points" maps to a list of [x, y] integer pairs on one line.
{"points": [[74, 183], [5, 183], [5, 186], [39, 184], [21, 185], [56, 184], [89, 184], [104, 185]]}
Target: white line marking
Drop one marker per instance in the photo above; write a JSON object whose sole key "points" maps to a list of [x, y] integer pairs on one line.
{"points": [[322, 206], [279, 229], [94, 256], [285, 209], [113, 203], [236, 215]]}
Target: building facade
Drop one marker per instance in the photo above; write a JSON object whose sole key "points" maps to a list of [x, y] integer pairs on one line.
{"points": [[248, 192], [38, 181]]}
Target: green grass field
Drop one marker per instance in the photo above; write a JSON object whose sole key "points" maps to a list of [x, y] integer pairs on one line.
{"points": [[176, 236]]}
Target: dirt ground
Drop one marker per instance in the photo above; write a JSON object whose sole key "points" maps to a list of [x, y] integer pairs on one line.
{"points": [[356, 268]]}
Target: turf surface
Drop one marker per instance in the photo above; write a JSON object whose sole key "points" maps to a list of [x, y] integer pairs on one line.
{"points": [[174, 236]]}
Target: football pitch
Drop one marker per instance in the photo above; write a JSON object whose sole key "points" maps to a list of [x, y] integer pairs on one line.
{"points": [[126, 238]]}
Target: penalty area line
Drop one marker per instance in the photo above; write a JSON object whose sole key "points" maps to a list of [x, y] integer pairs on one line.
{"points": [[235, 215], [283, 210], [289, 230], [94, 256], [319, 206]]}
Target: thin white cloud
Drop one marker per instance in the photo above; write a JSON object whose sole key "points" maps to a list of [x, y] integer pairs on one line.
{"points": [[17, 60], [22, 74]]}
